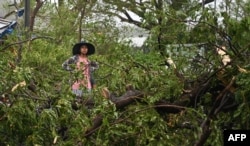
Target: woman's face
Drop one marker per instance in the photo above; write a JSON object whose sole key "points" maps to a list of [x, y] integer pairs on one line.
{"points": [[84, 49]]}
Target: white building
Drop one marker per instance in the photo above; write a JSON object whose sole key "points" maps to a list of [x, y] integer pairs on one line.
{"points": [[6, 9]]}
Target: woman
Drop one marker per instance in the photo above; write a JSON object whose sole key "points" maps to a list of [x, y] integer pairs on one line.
{"points": [[82, 68]]}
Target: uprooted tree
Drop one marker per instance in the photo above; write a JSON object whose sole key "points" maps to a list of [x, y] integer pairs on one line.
{"points": [[137, 101]]}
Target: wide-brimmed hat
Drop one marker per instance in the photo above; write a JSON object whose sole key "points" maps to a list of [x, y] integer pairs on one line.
{"points": [[77, 47]]}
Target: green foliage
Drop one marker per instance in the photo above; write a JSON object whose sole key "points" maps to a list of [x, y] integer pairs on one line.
{"points": [[47, 111], [39, 108]]}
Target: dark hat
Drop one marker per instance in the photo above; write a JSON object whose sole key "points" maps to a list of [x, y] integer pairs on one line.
{"points": [[77, 47]]}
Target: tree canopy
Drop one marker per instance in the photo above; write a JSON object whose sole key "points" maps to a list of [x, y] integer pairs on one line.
{"points": [[141, 98]]}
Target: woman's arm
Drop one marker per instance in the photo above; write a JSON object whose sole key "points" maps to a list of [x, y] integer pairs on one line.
{"points": [[68, 63], [93, 66]]}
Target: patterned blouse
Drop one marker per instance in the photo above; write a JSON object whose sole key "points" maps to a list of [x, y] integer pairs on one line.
{"points": [[87, 66]]}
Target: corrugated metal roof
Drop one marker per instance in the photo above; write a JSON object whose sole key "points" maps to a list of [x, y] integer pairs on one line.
{"points": [[6, 26]]}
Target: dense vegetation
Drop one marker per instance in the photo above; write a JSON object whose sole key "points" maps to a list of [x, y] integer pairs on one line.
{"points": [[190, 104]]}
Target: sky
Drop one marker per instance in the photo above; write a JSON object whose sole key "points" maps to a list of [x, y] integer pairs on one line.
{"points": [[53, 1]]}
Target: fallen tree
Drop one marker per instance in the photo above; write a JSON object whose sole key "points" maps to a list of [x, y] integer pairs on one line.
{"points": [[130, 96], [189, 99]]}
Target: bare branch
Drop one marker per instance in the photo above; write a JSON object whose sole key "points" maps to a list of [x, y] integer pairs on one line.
{"points": [[39, 4], [24, 41], [215, 110], [204, 2]]}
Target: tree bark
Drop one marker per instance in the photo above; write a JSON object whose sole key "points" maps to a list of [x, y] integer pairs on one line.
{"points": [[39, 4]]}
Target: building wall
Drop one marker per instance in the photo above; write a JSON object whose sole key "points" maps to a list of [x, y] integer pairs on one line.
{"points": [[5, 9]]}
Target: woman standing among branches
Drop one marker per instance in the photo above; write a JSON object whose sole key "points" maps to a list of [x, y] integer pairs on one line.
{"points": [[82, 67]]}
